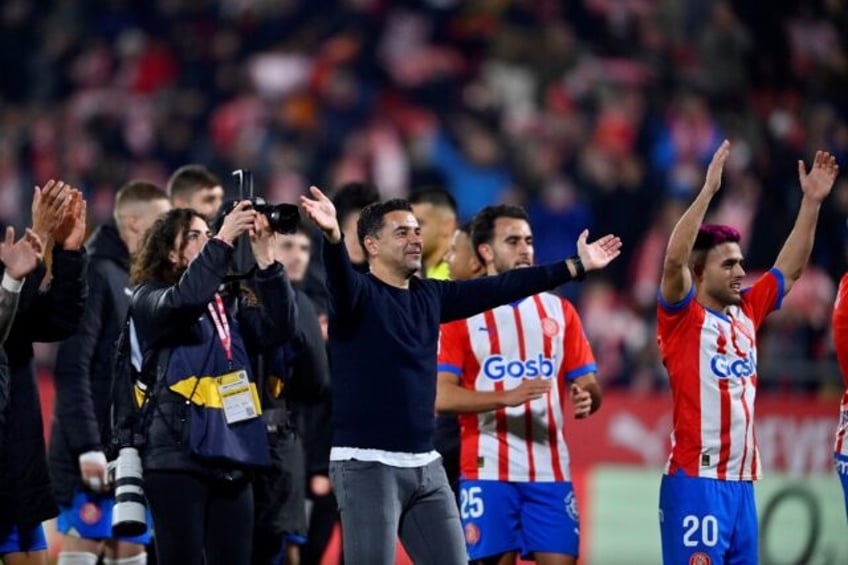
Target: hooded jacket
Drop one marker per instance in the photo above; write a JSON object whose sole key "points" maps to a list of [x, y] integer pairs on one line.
{"points": [[82, 372]]}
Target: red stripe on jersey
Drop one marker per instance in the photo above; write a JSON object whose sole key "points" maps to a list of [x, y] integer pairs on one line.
{"points": [[840, 440], [686, 391], [469, 424], [553, 430], [724, 452], [500, 413], [747, 427]]}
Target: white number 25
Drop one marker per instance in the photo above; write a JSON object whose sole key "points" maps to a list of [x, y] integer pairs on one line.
{"points": [[470, 503]]}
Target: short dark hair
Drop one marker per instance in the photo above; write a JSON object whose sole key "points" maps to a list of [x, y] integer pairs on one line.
{"points": [[435, 195], [373, 218], [188, 179], [465, 228], [709, 236], [353, 197], [483, 223], [138, 191]]}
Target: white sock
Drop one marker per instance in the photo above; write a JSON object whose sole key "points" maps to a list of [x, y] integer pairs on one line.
{"points": [[76, 558], [140, 559]]}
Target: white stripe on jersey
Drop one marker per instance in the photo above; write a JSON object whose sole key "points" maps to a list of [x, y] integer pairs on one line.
{"points": [[524, 462]]}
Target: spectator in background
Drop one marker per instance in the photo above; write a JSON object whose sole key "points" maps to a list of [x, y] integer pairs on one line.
{"points": [[80, 432], [195, 187], [435, 210], [296, 375], [51, 314]]}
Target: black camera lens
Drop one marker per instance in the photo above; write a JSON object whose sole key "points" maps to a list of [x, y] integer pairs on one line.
{"points": [[283, 218]]}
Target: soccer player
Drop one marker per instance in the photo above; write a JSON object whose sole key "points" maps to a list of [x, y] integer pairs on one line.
{"points": [[508, 372], [707, 326], [840, 342]]}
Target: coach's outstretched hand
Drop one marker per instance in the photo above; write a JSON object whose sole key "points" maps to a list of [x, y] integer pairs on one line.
{"points": [[322, 212], [599, 253]]}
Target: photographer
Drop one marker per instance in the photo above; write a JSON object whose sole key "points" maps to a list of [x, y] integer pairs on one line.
{"points": [[83, 378], [202, 427]]}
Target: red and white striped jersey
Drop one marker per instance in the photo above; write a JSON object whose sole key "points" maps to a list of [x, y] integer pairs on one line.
{"points": [[711, 359], [538, 337], [840, 342]]}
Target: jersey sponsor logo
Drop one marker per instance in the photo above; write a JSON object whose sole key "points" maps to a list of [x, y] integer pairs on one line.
{"points": [[841, 467], [700, 558], [496, 367], [472, 533], [90, 513], [724, 368]]}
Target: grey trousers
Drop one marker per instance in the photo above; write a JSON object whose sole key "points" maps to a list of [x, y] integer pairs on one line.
{"points": [[379, 503]]}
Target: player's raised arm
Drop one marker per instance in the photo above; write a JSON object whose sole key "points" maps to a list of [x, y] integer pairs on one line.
{"points": [[676, 278], [815, 186]]}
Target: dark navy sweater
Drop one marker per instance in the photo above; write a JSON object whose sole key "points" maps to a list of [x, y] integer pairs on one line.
{"points": [[383, 343]]}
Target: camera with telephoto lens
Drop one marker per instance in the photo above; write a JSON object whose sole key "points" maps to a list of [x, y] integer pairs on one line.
{"points": [[129, 515], [283, 218]]}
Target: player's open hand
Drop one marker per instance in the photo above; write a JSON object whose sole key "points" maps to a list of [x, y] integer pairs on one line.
{"points": [[713, 180], [529, 389], [581, 400], [70, 232], [817, 183], [21, 257], [48, 208], [322, 212], [599, 253]]}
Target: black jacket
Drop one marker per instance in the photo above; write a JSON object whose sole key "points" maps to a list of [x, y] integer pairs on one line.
{"points": [[167, 318], [52, 315], [82, 372]]}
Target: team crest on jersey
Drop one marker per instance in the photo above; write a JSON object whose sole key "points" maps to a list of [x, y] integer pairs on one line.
{"points": [[550, 327], [90, 513], [472, 533], [571, 506], [700, 558]]}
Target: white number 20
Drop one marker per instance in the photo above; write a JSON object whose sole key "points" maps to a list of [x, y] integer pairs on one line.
{"points": [[470, 503], [709, 530]]}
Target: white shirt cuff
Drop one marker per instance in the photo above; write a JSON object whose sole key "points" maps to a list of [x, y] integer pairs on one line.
{"points": [[12, 285]]}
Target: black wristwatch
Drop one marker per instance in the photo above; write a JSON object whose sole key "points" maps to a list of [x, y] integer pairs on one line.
{"points": [[578, 266]]}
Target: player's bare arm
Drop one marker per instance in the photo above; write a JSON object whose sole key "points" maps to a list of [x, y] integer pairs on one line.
{"points": [[585, 395], [452, 397], [676, 278], [815, 185]]}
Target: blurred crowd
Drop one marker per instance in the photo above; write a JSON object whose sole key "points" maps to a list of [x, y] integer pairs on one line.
{"points": [[590, 113]]}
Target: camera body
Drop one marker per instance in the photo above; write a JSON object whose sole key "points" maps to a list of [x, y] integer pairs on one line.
{"points": [[129, 515], [283, 219]]}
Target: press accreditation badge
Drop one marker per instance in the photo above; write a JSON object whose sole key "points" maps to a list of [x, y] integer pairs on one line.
{"points": [[236, 397]]}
